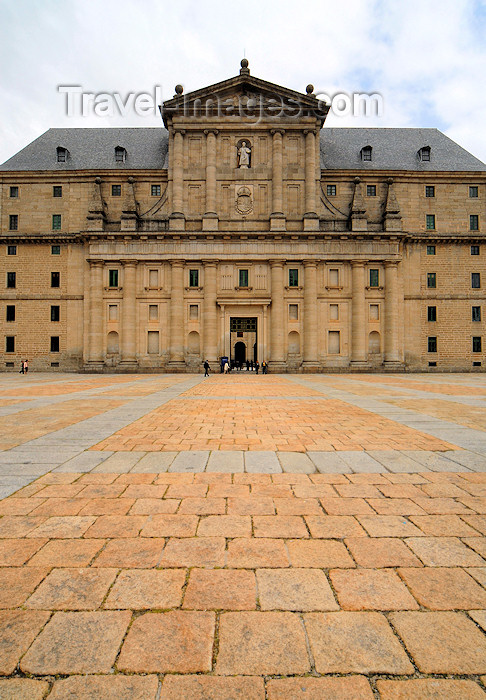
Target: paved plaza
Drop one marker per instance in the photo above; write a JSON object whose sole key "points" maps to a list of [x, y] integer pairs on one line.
{"points": [[242, 537]]}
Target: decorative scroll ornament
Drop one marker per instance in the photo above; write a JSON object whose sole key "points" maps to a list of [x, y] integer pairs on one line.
{"points": [[244, 201]]}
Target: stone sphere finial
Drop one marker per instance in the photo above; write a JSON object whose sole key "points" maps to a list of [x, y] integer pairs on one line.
{"points": [[244, 66], [179, 89], [309, 89]]}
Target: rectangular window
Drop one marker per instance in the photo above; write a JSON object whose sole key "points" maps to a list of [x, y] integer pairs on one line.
{"points": [[56, 222], [432, 343], [334, 343], [11, 280], [11, 250], [429, 191], [431, 250], [334, 312], [55, 279], [194, 278], [193, 312], [57, 191], [374, 312], [430, 222], [331, 190], [293, 312], [243, 278], [371, 190], [155, 190], [153, 343], [113, 278], [431, 313], [116, 190], [153, 312], [374, 278], [9, 343], [476, 343], [293, 278], [13, 222], [333, 278], [474, 222], [55, 250], [474, 250], [14, 192], [475, 313], [10, 313], [431, 280], [473, 191], [54, 343], [476, 280], [112, 312], [55, 313], [153, 279]]}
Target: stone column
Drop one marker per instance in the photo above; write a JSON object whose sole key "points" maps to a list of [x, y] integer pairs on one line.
{"points": [[178, 174], [210, 173], [310, 173], [95, 344], [358, 314], [277, 312], [129, 313], [210, 311], [277, 174], [392, 312], [177, 312], [310, 312]]}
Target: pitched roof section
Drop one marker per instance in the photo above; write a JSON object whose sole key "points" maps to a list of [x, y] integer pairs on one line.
{"points": [[393, 149], [94, 149]]}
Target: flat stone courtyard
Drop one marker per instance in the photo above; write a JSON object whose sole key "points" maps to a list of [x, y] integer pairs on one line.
{"points": [[242, 537]]}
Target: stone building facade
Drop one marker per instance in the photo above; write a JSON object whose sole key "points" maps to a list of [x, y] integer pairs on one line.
{"points": [[243, 228]]}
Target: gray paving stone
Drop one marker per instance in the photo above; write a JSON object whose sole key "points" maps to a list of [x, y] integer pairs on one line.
{"points": [[435, 461], [328, 462], [119, 462], [396, 461], [361, 461], [262, 461], [190, 462], [32, 470], [154, 462], [468, 459], [296, 463], [84, 462], [226, 461]]}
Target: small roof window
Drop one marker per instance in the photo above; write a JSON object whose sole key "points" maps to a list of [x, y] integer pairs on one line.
{"points": [[424, 153], [120, 154], [366, 153], [62, 154]]}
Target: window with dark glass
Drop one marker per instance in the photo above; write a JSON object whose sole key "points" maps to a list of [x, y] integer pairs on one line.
{"points": [[54, 343], [430, 222], [473, 191], [9, 343], [57, 191], [424, 153], [474, 250], [120, 154], [14, 192], [155, 190], [429, 191], [113, 278], [56, 222], [61, 154], [431, 250], [116, 190], [194, 278], [11, 280], [371, 190], [55, 279], [374, 278], [432, 343], [10, 316], [475, 280], [55, 313], [11, 250], [293, 278], [431, 280], [476, 343], [473, 222], [431, 313], [243, 278], [13, 222], [366, 153], [475, 313], [331, 190], [55, 250]]}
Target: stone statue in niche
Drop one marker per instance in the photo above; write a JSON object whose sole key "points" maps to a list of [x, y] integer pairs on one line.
{"points": [[244, 155]]}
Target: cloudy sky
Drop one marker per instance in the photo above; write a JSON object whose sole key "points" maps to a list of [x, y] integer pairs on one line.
{"points": [[427, 58]]}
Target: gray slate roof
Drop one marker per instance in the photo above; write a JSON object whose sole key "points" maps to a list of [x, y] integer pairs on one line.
{"points": [[94, 149], [393, 149]]}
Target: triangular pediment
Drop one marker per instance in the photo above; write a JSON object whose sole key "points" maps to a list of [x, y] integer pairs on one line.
{"points": [[243, 96]]}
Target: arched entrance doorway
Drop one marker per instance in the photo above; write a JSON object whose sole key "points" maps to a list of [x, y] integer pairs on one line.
{"points": [[240, 352]]}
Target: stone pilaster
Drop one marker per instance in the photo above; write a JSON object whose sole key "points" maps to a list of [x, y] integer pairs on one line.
{"points": [[95, 332], [358, 315], [277, 315], [277, 219], [310, 314], [210, 311], [177, 216], [392, 314], [210, 221], [177, 315], [129, 315]]}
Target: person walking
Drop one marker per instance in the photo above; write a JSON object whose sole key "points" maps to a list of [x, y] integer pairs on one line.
{"points": [[21, 370], [206, 368], [257, 366], [26, 366], [248, 365], [264, 367]]}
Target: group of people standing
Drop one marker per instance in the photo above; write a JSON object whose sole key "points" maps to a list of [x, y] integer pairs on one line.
{"points": [[226, 366]]}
